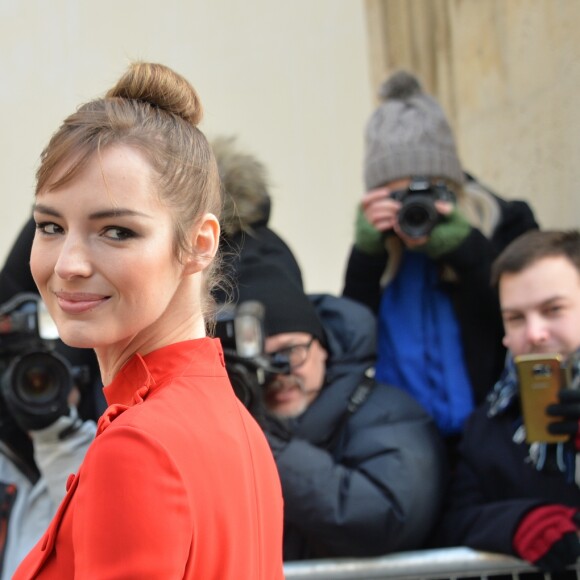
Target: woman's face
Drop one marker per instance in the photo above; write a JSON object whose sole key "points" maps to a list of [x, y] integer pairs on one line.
{"points": [[103, 255]]}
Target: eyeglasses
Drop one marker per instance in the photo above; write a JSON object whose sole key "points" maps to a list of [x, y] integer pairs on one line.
{"points": [[294, 355]]}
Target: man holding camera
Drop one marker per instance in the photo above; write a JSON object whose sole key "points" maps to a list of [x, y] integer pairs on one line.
{"points": [[426, 234], [361, 464], [509, 494]]}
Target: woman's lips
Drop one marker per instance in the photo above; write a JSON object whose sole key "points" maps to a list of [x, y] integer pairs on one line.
{"points": [[76, 303]]}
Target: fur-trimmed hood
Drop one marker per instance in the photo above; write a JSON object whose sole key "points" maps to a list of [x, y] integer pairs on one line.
{"points": [[246, 201]]}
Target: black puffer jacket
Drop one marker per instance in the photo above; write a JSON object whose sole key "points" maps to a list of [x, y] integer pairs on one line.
{"points": [[378, 488]]}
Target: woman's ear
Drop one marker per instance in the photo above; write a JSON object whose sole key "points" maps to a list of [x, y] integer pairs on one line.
{"points": [[204, 244]]}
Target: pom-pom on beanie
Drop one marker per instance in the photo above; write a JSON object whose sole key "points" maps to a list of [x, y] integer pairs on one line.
{"points": [[408, 135]]}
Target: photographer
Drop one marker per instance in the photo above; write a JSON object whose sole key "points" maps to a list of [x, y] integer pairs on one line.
{"points": [[361, 463], [426, 234], [41, 446], [511, 495]]}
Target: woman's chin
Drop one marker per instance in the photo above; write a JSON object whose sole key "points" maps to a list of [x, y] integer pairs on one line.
{"points": [[76, 340]]}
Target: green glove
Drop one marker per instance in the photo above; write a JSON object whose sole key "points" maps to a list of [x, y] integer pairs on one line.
{"points": [[367, 238], [447, 235]]}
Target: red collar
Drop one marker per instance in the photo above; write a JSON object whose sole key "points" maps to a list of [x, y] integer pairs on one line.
{"points": [[143, 374]]}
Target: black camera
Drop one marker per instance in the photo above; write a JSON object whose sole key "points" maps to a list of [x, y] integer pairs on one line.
{"points": [[241, 331], [35, 381], [418, 215]]}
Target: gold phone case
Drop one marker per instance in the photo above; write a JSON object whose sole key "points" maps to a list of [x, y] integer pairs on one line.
{"points": [[540, 378]]}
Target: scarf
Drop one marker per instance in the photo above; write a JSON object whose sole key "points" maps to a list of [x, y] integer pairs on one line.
{"points": [[420, 348], [544, 456]]}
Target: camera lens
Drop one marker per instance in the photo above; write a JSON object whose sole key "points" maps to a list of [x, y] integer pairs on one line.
{"points": [[38, 379], [418, 215]]}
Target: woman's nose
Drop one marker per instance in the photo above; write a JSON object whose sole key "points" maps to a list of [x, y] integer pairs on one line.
{"points": [[73, 260]]}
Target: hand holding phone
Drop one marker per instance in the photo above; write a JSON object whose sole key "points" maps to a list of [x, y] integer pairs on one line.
{"points": [[541, 378], [566, 415]]}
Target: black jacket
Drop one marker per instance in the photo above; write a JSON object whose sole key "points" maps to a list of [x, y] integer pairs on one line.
{"points": [[360, 484], [495, 485]]}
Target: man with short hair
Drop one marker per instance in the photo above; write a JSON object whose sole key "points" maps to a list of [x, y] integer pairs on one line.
{"points": [[361, 464], [508, 495]]}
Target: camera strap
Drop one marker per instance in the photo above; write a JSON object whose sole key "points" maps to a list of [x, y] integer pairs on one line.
{"points": [[355, 402], [361, 393], [31, 473]]}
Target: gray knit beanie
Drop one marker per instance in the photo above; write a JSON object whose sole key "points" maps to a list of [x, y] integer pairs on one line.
{"points": [[408, 135]]}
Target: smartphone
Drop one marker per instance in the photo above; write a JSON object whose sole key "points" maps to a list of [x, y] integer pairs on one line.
{"points": [[540, 378]]}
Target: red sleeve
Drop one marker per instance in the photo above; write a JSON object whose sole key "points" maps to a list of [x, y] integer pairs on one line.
{"points": [[132, 518]]}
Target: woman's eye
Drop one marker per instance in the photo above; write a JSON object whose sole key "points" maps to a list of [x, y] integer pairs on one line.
{"points": [[117, 233], [48, 228]]}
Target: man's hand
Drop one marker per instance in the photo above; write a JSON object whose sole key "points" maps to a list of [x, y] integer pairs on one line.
{"points": [[547, 537], [567, 410]]}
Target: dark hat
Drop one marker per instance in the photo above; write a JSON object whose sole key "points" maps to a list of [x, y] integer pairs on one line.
{"points": [[287, 307], [408, 135]]}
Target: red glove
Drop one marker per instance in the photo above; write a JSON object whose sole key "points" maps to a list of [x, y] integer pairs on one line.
{"points": [[547, 537]]}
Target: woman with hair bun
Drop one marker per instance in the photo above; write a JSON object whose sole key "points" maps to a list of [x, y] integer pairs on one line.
{"points": [[179, 481]]}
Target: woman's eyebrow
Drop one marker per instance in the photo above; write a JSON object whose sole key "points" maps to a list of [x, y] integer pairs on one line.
{"points": [[118, 212], [103, 214]]}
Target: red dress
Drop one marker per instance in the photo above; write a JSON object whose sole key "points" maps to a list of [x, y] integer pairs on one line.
{"points": [[179, 482]]}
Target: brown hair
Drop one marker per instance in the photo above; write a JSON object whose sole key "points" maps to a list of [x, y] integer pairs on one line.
{"points": [[155, 110], [533, 246]]}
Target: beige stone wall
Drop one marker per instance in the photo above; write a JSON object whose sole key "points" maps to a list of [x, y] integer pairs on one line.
{"points": [[507, 72]]}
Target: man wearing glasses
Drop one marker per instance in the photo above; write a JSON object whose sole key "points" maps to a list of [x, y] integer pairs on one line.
{"points": [[361, 464]]}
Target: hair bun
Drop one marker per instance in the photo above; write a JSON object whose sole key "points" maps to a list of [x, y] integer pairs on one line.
{"points": [[161, 87], [401, 86]]}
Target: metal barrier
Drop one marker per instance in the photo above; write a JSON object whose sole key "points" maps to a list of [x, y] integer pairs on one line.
{"points": [[443, 564]]}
